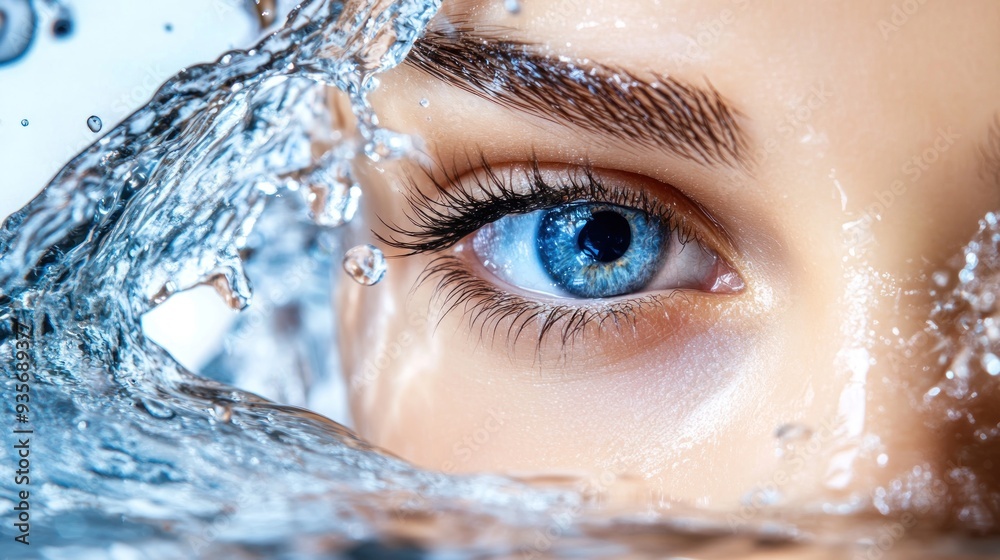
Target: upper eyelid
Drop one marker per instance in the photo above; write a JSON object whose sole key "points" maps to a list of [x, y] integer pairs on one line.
{"points": [[455, 209]]}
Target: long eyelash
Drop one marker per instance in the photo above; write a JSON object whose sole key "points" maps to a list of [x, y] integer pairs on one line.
{"points": [[486, 307], [458, 208]]}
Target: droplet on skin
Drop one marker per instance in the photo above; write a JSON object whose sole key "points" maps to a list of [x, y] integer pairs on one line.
{"points": [[425, 103], [512, 6], [991, 363], [365, 264], [94, 123]]}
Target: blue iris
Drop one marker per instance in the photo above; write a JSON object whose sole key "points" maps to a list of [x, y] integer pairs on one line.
{"points": [[595, 250]]}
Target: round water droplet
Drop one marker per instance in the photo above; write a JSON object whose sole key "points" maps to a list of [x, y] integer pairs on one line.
{"points": [[425, 103], [940, 278], [512, 6], [365, 264], [24, 122], [62, 27], [991, 363], [168, 27], [94, 123]]}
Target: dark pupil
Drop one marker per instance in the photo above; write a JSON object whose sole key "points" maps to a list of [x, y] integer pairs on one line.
{"points": [[606, 236]]}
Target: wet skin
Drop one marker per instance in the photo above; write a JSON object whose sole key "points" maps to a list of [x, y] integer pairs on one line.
{"points": [[859, 169]]}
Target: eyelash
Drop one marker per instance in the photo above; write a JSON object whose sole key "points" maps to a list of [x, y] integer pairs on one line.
{"points": [[463, 206]]}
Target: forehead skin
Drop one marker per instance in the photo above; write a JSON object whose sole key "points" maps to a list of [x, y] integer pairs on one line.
{"points": [[866, 121]]}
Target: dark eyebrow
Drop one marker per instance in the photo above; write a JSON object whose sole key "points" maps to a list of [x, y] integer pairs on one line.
{"points": [[660, 112]]}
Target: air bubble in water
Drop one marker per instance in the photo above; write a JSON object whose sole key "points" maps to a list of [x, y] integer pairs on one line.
{"points": [[94, 123], [24, 122], [365, 264]]}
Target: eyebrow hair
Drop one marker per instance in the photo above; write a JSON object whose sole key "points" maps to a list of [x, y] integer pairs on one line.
{"points": [[692, 122]]}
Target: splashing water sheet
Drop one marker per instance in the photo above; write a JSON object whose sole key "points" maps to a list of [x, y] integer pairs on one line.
{"points": [[231, 177]]}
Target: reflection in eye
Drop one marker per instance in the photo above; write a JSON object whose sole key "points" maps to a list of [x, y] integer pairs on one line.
{"points": [[577, 238], [591, 250]]}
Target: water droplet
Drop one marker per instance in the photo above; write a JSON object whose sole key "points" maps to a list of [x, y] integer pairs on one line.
{"points": [[365, 264], [386, 144], [512, 6], [94, 123], [789, 436], [991, 363], [157, 409], [62, 27], [882, 459], [82, 425], [940, 278], [425, 103], [24, 122], [971, 260], [222, 411], [792, 432], [168, 27]]}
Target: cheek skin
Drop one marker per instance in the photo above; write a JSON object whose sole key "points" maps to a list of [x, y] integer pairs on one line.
{"points": [[685, 383]]}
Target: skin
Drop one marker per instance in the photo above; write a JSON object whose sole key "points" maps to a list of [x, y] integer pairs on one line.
{"points": [[688, 402]]}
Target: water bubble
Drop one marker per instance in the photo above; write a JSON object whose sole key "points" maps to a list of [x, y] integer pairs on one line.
{"points": [[365, 264], [62, 27], [425, 103], [157, 409], [223, 411], [94, 123], [971, 260], [512, 6], [991, 363], [386, 144], [940, 278], [24, 122], [168, 27]]}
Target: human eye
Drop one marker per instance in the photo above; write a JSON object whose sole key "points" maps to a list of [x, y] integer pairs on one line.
{"points": [[561, 246]]}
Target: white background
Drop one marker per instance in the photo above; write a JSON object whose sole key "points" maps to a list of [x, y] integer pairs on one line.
{"points": [[114, 60]]}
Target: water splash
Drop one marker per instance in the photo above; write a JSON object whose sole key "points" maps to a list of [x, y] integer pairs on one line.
{"points": [[365, 264]]}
